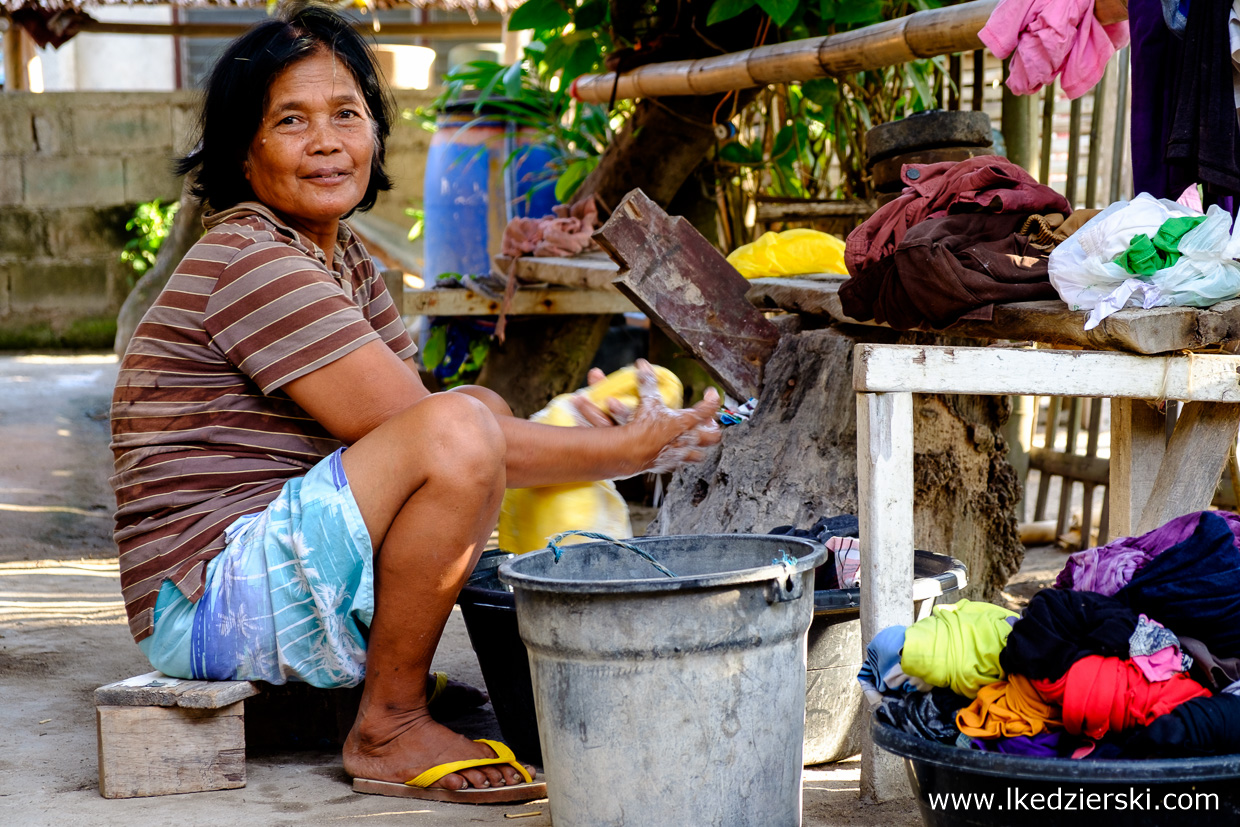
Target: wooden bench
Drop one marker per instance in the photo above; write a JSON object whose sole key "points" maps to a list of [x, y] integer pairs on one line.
{"points": [[160, 735]]}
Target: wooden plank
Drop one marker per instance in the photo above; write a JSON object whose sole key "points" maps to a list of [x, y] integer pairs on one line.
{"points": [[1089, 469], [1138, 443], [470, 31], [153, 750], [931, 369], [157, 689], [527, 301], [768, 211], [1066, 485], [1159, 330], [1190, 471], [688, 288], [885, 513], [592, 272]]}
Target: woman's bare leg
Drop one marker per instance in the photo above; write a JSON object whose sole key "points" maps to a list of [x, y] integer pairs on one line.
{"points": [[429, 484]]}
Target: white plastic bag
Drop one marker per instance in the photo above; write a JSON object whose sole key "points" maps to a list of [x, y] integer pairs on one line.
{"points": [[1084, 273]]}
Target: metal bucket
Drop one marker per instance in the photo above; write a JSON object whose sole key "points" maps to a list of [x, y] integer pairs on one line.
{"points": [[670, 700]]}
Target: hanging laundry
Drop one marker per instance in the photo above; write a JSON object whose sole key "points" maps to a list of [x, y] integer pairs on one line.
{"points": [[1060, 627], [1156, 650], [1205, 138], [1050, 38], [1101, 695], [1215, 673], [929, 715], [1194, 587], [1007, 709], [958, 646], [1201, 726], [986, 184], [1107, 569]]}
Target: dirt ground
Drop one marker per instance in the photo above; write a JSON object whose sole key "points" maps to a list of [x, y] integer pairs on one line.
{"points": [[62, 634]]}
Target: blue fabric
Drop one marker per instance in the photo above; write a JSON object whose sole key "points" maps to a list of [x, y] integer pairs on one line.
{"points": [[1193, 588], [289, 598], [882, 654]]}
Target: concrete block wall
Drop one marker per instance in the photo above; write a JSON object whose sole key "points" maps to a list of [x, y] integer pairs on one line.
{"points": [[73, 165]]}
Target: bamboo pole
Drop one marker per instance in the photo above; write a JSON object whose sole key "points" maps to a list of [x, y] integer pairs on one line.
{"points": [[394, 29], [922, 34]]}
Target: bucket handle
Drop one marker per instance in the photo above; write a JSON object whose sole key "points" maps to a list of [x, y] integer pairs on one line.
{"points": [[556, 551], [788, 586]]}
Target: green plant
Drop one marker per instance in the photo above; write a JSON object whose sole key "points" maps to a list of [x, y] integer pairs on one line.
{"points": [[150, 225]]}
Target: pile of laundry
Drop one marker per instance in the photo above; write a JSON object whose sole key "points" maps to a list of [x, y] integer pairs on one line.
{"points": [[1134, 653], [961, 237]]}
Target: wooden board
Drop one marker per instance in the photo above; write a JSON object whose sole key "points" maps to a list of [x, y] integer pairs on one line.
{"points": [[1159, 330], [688, 288], [527, 301], [157, 689], [587, 272], [154, 750], [1138, 444], [1204, 434], [979, 370]]}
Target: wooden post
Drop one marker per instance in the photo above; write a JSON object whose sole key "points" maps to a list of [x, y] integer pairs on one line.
{"points": [[1138, 443], [1204, 435], [885, 513], [16, 52], [1018, 125]]}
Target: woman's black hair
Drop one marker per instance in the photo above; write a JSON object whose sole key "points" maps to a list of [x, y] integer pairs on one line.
{"points": [[237, 91]]}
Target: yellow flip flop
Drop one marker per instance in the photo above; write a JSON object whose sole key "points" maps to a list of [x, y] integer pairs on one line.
{"points": [[446, 707], [421, 788]]}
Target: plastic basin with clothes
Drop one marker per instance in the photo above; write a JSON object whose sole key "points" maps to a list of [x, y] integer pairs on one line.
{"points": [[836, 713], [958, 787]]}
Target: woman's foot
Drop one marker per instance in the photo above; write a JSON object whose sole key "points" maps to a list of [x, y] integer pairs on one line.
{"points": [[454, 699], [405, 745]]}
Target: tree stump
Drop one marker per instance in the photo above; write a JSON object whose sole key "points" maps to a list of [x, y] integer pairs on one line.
{"points": [[796, 460]]}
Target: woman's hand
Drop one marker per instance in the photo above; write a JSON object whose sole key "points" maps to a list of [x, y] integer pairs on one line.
{"points": [[667, 439]]}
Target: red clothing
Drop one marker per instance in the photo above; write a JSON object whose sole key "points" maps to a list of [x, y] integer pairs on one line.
{"points": [[985, 184], [1101, 695]]}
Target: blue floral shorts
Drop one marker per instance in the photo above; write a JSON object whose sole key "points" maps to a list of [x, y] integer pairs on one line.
{"points": [[288, 599]]}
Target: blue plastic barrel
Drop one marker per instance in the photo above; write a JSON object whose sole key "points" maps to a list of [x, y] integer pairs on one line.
{"points": [[471, 192]]}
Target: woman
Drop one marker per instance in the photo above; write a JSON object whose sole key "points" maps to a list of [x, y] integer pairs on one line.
{"points": [[252, 544]]}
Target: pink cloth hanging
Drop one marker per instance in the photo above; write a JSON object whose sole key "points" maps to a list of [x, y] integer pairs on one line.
{"points": [[1047, 38]]}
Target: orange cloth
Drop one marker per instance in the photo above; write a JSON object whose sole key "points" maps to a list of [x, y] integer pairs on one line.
{"points": [[1007, 709], [1100, 695]]}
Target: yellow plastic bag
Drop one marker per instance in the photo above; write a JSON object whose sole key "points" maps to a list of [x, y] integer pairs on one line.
{"points": [[528, 516], [790, 253]]}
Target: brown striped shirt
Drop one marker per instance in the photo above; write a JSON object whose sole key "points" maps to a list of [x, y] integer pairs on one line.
{"points": [[201, 432]]}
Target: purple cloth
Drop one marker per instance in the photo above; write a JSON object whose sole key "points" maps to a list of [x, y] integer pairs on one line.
{"points": [[1042, 745], [1109, 568]]}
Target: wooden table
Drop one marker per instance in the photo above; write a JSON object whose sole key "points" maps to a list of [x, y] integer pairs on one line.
{"points": [[1134, 357]]}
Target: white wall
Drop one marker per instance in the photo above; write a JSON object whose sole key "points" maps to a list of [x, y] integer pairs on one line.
{"points": [[113, 62]]}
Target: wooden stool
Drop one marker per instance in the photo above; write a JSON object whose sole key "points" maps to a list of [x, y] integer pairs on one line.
{"points": [[161, 735]]}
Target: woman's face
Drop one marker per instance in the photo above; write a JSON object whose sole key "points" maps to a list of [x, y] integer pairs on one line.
{"points": [[310, 159]]}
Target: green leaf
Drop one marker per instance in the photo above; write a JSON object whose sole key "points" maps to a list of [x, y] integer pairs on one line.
{"points": [[538, 14], [856, 12], [723, 10], [921, 85], [436, 347], [582, 57], [573, 176], [513, 81], [781, 11], [737, 153], [590, 14]]}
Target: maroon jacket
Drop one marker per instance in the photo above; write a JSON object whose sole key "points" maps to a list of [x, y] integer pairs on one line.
{"points": [[986, 184]]}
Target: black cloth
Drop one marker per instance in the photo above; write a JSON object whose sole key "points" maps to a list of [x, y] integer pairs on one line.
{"points": [[962, 265], [1215, 674], [1202, 726], [1060, 626], [1204, 137], [1193, 588], [1155, 50], [929, 715]]}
